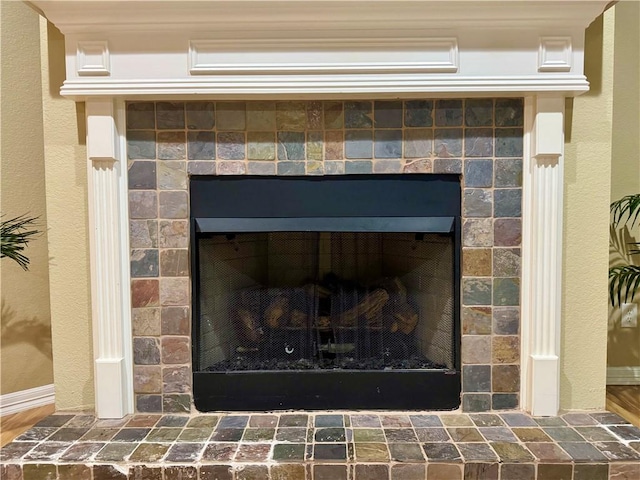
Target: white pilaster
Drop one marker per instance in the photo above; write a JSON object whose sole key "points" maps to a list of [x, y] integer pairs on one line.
{"points": [[542, 253], [109, 259]]}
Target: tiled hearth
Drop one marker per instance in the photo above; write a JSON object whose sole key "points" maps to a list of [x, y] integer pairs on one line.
{"points": [[326, 446], [479, 139]]}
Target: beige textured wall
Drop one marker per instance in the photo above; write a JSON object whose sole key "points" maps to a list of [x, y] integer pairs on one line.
{"points": [[586, 217], [625, 148], [66, 179], [624, 343], [25, 335]]}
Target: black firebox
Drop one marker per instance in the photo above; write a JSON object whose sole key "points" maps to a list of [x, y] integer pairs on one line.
{"points": [[332, 292]]}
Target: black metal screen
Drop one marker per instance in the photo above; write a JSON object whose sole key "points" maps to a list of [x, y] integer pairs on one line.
{"points": [[320, 292], [325, 300]]}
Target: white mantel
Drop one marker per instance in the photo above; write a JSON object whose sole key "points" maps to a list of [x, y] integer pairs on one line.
{"points": [[244, 48], [249, 49]]}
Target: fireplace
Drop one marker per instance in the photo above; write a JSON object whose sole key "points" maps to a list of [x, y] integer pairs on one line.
{"points": [[319, 292], [151, 77]]}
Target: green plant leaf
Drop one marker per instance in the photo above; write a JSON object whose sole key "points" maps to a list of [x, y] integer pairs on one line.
{"points": [[15, 234], [624, 279], [627, 207], [635, 250]]}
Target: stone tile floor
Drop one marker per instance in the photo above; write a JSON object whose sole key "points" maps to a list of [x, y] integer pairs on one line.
{"points": [[326, 446]]}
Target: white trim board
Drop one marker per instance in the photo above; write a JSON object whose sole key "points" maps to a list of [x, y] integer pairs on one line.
{"points": [[26, 399], [623, 375]]}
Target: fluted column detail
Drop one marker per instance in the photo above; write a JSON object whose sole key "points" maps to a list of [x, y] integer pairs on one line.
{"points": [[109, 260], [542, 254]]}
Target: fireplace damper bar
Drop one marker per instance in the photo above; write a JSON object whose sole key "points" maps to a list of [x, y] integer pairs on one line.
{"points": [[324, 355]]}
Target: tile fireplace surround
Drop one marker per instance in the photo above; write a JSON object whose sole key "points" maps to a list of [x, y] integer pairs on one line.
{"points": [[324, 88], [480, 139]]}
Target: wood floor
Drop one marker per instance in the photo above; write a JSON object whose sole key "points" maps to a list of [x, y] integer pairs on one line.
{"points": [[13, 425], [621, 399], [625, 401]]}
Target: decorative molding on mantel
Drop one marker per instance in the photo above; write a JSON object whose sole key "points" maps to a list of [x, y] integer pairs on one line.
{"points": [[286, 56], [555, 54], [349, 87], [92, 58], [296, 48]]}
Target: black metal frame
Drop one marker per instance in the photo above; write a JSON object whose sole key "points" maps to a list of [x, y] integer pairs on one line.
{"points": [[327, 390], [229, 204]]}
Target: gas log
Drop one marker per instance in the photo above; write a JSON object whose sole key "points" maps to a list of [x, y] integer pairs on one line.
{"points": [[248, 326], [276, 313], [369, 307], [325, 306]]}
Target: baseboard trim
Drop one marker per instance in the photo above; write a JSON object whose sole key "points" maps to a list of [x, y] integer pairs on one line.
{"points": [[26, 399], [623, 375]]}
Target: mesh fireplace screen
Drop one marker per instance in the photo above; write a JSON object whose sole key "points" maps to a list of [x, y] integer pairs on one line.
{"points": [[302, 301]]}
